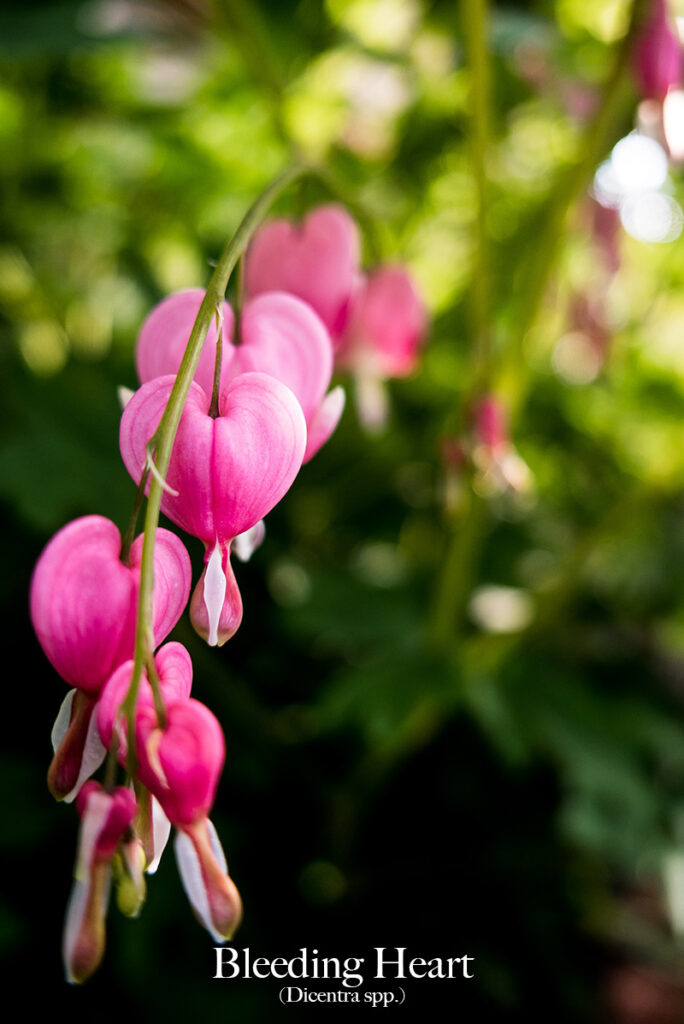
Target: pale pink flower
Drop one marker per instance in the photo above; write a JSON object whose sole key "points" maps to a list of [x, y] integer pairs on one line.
{"points": [[318, 260]]}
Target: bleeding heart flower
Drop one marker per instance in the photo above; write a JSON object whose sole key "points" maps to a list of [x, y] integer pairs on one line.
{"points": [[84, 599], [83, 608], [387, 325], [383, 339], [226, 473], [658, 54], [105, 820], [318, 261], [181, 765], [279, 335]]}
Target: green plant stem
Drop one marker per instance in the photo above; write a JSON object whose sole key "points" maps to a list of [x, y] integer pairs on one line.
{"points": [[214, 405], [464, 538], [474, 20], [597, 139], [161, 444], [129, 535], [464, 532]]}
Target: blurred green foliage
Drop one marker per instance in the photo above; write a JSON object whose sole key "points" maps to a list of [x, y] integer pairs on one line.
{"points": [[547, 733]]}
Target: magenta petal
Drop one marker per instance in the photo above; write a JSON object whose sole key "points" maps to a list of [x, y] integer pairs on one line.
{"points": [[181, 763], [190, 470], [230, 471], [82, 601], [386, 327], [318, 261], [283, 336], [172, 579], [174, 669], [260, 438], [165, 333], [658, 54]]}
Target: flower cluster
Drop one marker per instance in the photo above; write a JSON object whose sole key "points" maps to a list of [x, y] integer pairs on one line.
{"points": [[259, 406]]}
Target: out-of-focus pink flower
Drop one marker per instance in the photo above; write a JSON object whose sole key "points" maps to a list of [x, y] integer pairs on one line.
{"points": [[84, 600], [319, 261], [383, 321], [386, 327], [658, 54], [279, 335], [490, 424], [105, 819], [499, 467], [226, 473]]}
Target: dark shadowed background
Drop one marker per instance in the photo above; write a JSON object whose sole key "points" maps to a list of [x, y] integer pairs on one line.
{"points": [[510, 786]]}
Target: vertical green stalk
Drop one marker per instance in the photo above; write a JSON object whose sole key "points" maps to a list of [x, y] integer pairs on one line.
{"points": [[161, 444], [474, 19], [598, 136], [463, 541]]}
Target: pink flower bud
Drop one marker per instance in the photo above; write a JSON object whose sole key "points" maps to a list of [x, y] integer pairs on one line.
{"points": [[658, 54], [227, 472], [386, 327], [317, 261], [105, 819], [84, 600]]}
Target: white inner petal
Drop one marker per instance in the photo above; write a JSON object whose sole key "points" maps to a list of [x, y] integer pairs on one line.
{"points": [[59, 729], [191, 877], [161, 829], [214, 593]]}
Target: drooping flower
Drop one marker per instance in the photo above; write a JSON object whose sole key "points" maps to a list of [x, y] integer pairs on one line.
{"points": [[318, 260], [658, 54], [226, 473], [383, 338], [379, 333], [279, 335], [174, 673], [84, 599], [83, 608], [181, 764], [105, 820]]}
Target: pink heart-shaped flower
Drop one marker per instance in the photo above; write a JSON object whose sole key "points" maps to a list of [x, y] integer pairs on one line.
{"points": [[228, 471], [318, 261], [279, 335], [84, 599]]}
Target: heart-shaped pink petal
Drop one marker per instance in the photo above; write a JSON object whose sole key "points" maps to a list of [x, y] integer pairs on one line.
{"points": [[230, 471], [318, 261], [84, 599], [279, 335]]}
